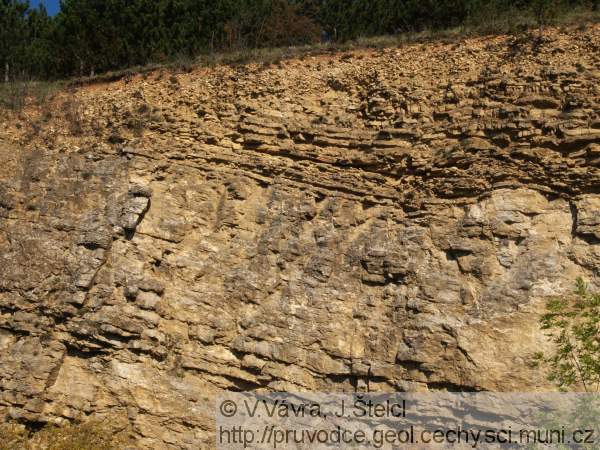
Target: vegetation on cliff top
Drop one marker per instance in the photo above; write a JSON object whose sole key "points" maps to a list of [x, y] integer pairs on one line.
{"points": [[93, 36]]}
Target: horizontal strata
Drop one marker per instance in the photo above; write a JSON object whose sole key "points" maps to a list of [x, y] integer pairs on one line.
{"points": [[379, 220]]}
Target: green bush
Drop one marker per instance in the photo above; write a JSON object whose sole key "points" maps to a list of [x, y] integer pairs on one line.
{"points": [[93, 435], [573, 326], [15, 95], [92, 36]]}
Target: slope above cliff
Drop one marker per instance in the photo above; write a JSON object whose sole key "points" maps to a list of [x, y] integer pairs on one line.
{"points": [[376, 220]]}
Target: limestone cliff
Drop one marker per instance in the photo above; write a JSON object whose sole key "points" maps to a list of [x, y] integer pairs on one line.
{"points": [[376, 220]]}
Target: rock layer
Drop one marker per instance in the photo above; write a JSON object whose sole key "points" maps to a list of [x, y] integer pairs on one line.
{"points": [[380, 220]]}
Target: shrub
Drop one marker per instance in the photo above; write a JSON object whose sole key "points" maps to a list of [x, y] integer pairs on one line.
{"points": [[573, 325], [73, 112], [13, 96], [93, 435]]}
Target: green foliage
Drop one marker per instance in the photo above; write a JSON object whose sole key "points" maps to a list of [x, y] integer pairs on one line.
{"points": [[545, 11], [93, 435], [93, 36], [14, 96], [573, 325]]}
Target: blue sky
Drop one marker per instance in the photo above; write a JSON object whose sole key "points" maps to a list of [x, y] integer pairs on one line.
{"points": [[51, 5]]}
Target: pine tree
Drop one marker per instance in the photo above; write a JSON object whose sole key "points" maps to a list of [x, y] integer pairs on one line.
{"points": [[13, 28]]}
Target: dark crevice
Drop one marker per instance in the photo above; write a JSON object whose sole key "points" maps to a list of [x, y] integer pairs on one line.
{"points": [[150, 353], [395, 278], [573, 209], [90, 245], [18, 333], [451, 387], [520, 240], [8, 309], [589, 239], [60, 319], [117, 337], [81, 353], [33, 426], [410, 365], [341, 379], [375, 283], [244, 385], [239, 384], [53, 376], [130, 233], [93, 341], [466, 355], [453, 255]]}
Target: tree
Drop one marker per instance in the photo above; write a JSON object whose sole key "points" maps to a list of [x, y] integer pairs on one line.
{"points": [[89, 36], [38, 60], [544, 11], [573, 325], [286, 26], [13, 28]]}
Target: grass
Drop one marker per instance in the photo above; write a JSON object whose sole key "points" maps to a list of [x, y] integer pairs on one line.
{"points": [[93, 435], [73, 109], [487, 22], [14, 96]]}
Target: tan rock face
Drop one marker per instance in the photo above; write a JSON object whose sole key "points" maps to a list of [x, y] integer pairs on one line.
{"points": [[384, 221]]}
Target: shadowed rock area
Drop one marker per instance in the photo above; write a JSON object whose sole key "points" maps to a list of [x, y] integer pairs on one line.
{"points": [[381, 220]]}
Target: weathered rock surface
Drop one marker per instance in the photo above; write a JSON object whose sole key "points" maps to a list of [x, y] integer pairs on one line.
{"points": [[385, 220]]}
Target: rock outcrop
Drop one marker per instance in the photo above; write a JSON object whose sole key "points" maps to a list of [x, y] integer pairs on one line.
{"points": [[380, 220]]}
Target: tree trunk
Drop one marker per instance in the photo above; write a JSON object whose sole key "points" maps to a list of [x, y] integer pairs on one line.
{"points": [[6, 72], [541, 13]]}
